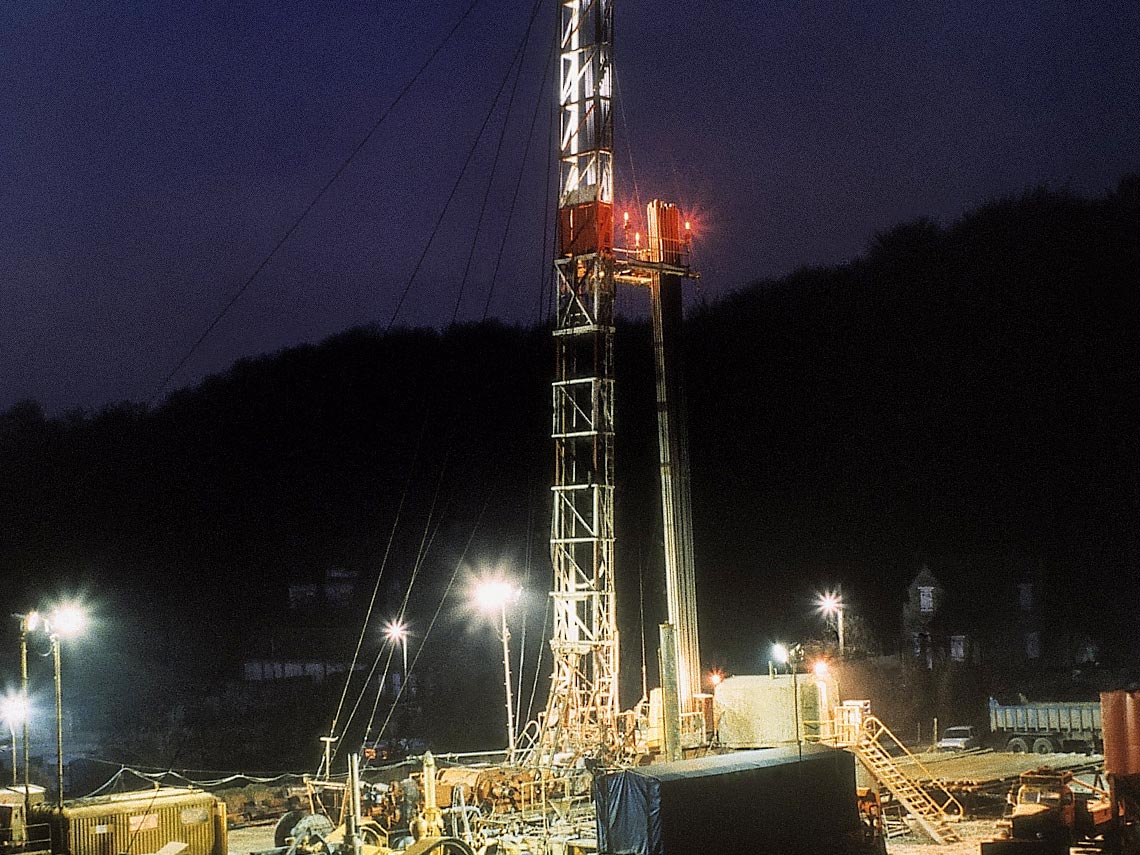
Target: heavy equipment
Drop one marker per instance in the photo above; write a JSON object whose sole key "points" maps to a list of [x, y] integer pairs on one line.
{"points": [[1049, 811], [403, 818]]}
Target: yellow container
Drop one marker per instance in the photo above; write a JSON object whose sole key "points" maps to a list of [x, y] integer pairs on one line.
{"points": [[138, 823]]}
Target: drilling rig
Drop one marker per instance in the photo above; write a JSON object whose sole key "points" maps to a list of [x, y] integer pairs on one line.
{"points": [[582, 711], [582, 715]]}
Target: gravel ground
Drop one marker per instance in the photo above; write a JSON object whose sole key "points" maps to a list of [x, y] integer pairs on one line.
{"points": [[257, 838], [972, 833], [251, 838]]}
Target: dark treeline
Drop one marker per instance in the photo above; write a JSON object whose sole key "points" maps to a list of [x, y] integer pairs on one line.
{"points": [[964, 396]]}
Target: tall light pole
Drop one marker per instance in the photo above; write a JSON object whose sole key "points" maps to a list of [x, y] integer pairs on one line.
{"points": [[791, 656], [496, 594], [29, 622], [397, 633], [65, 622], [831, 605]]}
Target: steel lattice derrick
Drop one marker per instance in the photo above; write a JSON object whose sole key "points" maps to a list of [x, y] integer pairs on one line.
{"points": [[582, 710]]}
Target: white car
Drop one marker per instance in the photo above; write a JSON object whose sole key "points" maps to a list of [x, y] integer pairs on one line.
{"points": [[958, 738]]}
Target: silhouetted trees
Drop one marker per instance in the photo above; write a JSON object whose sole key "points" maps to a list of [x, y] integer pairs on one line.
{"points": [[961, 390]]}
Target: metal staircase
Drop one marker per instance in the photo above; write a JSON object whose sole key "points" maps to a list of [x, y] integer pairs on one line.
{"points": [[877, 749]]}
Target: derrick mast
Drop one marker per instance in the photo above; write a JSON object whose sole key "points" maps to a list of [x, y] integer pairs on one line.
{"points": [[581, 714]]}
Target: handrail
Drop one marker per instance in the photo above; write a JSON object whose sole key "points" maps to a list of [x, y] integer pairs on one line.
{"points": [[874, 729]]}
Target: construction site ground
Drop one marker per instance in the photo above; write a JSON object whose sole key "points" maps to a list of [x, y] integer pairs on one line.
{"points": [[251, 838], [972, 833]]}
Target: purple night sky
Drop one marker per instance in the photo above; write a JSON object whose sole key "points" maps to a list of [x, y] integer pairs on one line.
{"points": [[155, 152]]}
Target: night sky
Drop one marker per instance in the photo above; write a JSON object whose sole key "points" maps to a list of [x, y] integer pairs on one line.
{"points": [[155, 152]]}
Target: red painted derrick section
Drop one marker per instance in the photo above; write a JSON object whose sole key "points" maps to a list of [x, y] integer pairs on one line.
{"points": [[586, 228]]}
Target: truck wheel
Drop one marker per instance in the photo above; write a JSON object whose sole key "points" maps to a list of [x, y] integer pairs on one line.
{"points": [[1017, 745], [1042, 745]]}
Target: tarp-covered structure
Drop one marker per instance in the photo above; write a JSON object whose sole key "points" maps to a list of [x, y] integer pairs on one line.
{"points": [[774, 801]]}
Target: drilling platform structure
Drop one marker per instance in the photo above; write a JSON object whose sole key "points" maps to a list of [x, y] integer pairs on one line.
{"points": [[582, 711], [582, 717]]}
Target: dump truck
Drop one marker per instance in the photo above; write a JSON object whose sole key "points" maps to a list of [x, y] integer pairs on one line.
{"points": [[1044, 727]]}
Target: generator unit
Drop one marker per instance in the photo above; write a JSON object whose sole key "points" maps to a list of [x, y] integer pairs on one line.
{"points": [[186, 821]]}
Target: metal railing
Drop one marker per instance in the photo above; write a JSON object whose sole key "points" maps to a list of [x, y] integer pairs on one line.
{"points": [[26, 840]]}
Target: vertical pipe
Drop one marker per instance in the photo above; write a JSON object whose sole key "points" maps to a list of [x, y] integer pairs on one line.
{"points": [[670, 702], [352, 817], [665, 247], [507, 684], [840, 627], [796, 707], [58, 720], [27, 710]]}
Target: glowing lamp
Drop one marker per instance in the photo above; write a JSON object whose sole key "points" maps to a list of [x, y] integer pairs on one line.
{"points": [[494, 594], [395, 631], [14, 710], [67, 621]]}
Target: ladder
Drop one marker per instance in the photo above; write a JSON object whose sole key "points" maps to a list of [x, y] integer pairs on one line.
{"points": [[874, 745]]}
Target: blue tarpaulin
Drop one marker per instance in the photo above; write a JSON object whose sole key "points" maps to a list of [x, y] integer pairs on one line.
{"points": [[775, 801]]}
